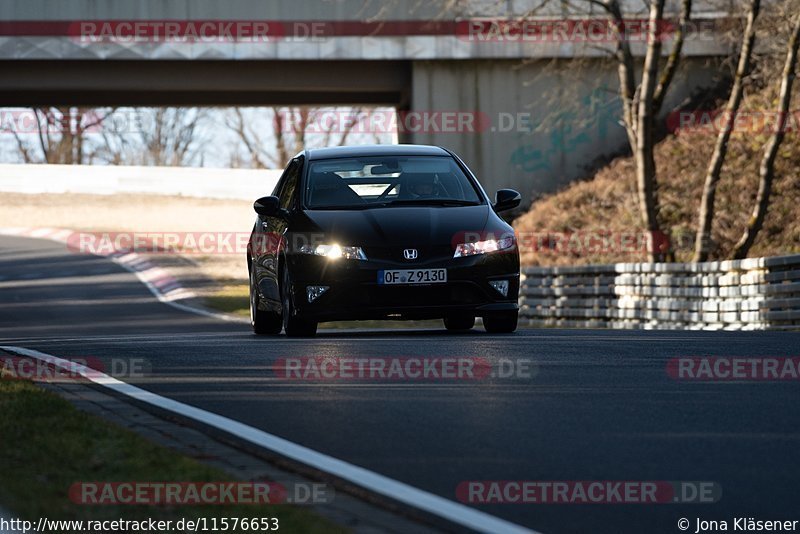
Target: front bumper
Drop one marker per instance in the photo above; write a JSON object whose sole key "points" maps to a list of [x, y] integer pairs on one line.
{"points": [[355, 294]]}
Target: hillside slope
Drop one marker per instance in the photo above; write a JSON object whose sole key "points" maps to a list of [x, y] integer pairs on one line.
{"points": [[606, 205]]}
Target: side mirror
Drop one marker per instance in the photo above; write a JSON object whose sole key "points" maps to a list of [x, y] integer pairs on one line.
{"points": [[268, 206], [506, 199]]}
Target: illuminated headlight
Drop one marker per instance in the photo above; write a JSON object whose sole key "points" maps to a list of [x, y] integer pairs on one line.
{"points": [[501, 286], [334, 252], [315, 292], [483, 247]]}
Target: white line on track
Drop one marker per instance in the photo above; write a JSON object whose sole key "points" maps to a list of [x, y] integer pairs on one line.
{"points": [[422, 500]]}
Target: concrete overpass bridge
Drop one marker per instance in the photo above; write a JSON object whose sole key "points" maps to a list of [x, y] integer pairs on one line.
{"points": [[545, 94]]}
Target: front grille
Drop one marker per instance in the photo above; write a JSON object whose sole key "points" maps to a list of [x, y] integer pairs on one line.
{"points": [[395, 254]]}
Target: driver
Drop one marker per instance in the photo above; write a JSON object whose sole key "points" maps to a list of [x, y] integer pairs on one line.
{"points": [[421, 186]]}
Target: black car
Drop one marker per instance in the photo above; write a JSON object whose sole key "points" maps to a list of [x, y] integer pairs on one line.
{"points": [[382, 232]]}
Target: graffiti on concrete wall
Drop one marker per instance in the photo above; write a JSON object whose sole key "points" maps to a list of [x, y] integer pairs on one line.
{"points": [[565, 131]]}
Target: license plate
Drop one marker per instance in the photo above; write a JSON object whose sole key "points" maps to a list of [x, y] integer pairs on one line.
{"points": [[412, 276]]}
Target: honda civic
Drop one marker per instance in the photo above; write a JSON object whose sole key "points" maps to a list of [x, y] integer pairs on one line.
{"points": [[382, 232]]}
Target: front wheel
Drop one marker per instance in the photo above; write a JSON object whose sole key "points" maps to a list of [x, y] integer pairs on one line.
{"points": [[293, 325], [501, 322], [264, 323]]}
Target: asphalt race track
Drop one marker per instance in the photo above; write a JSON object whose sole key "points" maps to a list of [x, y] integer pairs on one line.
{"points": [[598, 406]]}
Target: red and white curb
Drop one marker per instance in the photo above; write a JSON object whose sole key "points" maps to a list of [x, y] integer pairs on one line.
{"points": [[165, 287]]}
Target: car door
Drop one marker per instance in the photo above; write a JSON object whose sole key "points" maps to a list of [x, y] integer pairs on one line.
{"points": [[272, 233]]}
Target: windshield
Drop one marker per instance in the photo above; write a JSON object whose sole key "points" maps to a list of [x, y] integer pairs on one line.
{"points": [[359, 183]]}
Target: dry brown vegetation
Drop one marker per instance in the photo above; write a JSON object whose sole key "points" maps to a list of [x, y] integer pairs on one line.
{"points": [[607, 203]]}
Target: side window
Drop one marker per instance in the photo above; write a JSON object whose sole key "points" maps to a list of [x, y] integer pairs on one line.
{"points": [[289, 186]]}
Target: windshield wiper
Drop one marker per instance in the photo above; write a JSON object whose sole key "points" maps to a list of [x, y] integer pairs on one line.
{"points": [[404, 202], [432, 202], [343, 208]]}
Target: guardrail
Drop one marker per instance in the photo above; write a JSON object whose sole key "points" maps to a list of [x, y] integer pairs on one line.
{"points": [[749, 294]]}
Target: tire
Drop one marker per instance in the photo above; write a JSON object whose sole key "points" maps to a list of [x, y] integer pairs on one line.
{"points": [[456, 323], [293, 325], [501, 322], [264, 323]]}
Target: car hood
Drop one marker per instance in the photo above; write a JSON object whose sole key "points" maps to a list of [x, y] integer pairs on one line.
{"points": [[399, 226]]}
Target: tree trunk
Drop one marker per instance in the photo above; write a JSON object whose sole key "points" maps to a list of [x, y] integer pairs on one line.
{"points": [[767, 168], [625, 70], [640, 107], [674, 57], [645, 161], [702, 247], [282, 153]]}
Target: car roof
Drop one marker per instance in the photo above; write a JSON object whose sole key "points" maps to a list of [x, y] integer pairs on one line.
{"points": [[374, 150]]}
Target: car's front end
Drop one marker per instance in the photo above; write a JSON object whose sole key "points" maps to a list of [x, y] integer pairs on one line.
{"points": [[403, 232], [379, 282]]}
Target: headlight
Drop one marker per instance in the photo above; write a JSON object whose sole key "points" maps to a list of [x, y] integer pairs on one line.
{"points": [[334, 252], [483, 247]]}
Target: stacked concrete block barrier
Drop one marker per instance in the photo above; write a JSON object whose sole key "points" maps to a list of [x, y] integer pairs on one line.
{"points": [[749, 294]]}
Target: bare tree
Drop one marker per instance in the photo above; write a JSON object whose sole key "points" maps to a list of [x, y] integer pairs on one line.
{"points": [[645, 124], [250, 138], [291, 132], [706, 210], [641, 104], [673, 60], [171, 137], [262, 154], [281, 152], [61, 135], [767, 167], [168, 137]]}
